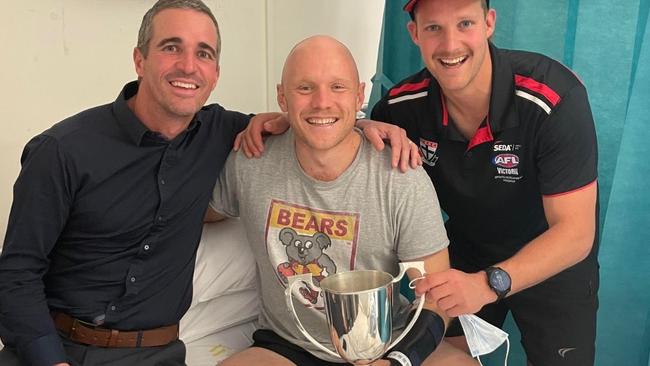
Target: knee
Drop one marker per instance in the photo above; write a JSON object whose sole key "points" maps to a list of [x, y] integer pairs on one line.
{"points": [[447, 354]]}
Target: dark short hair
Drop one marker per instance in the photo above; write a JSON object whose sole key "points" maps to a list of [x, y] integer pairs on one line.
{"points": [[145, 33], [484, 3]]}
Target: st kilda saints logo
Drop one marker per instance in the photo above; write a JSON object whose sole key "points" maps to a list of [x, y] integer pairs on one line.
{"points": [[428, 152]]}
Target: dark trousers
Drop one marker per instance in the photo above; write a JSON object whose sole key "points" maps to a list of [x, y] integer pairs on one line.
{"points": [[172, 354]]}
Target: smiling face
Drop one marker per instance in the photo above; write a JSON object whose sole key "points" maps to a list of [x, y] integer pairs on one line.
{"points": [[453, 39], [180, 69], [321, 92]]}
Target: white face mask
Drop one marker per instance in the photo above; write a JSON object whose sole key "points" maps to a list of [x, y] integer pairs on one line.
{"points": [[482, 337]]}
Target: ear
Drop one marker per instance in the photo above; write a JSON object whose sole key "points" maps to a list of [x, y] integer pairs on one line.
{"points": [[282, 100], [361, 97], [490, 22], [138, 61], [323, 240], [286, 236], [413, 31]]}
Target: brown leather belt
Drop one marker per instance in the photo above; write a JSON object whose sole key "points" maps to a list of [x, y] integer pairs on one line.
{"points": [[87, 333]]}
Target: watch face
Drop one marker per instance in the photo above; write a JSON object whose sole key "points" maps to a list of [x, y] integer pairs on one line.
{"points": [[499, 280]]}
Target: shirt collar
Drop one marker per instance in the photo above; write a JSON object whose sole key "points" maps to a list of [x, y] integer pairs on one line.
{"points": [[126, 119], [503, 112], [133, 127]]}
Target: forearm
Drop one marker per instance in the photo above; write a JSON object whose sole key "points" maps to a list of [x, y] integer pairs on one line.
{"points": [[432, 264], [435, 308], [43, 351], [25, 321], [422, 339], [568, 240], [557, 249], [24, 313], [429, 327], [39, 213]]}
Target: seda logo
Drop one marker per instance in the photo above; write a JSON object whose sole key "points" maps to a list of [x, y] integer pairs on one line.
{"points": [[506, 160]]}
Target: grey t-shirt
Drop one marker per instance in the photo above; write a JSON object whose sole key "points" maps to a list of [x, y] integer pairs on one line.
{"points": [[370, 217]]}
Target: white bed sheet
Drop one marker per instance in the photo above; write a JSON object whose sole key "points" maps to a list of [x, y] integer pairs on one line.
{"points": [[218, 314], [224, 261], [214, 348], [225, 282]]}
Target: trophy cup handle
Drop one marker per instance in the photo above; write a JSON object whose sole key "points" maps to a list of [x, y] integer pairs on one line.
{"points": [[403, 266], [288, 295]]}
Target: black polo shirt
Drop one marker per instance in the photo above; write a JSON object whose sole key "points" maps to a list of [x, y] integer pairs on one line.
{"points": [[105, 223], [538, 140]]}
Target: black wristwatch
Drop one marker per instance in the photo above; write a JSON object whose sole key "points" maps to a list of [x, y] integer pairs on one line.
{"points": [[499, 281]]}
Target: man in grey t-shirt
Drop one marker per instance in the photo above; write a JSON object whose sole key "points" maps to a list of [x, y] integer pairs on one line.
{"points": [[321, 200]]}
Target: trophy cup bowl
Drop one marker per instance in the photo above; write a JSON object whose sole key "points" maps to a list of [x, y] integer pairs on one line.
{"points": [[358, 305]]}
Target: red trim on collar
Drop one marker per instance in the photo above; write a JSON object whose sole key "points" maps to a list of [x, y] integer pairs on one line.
{"points": [[410, 87], [445, 115], [536, 86], [483, 134]]}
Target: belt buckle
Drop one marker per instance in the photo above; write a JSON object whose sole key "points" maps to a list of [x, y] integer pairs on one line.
{"points": [[76, 321], [111, 340]]}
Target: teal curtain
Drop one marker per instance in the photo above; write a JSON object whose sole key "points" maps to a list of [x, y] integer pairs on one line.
{"points": [[607, 44]]}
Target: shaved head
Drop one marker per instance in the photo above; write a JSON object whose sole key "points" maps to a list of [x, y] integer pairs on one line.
{"points": [[316, 47]]}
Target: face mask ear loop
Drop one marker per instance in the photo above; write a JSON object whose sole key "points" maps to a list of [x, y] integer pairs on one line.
{"points": [[505, 362]]}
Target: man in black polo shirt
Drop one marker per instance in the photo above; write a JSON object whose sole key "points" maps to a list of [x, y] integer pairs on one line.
{"points": [[100, 247], [508, 139]]}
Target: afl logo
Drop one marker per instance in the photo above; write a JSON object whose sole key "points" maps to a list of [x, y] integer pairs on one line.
{"points": [[506, 160]]}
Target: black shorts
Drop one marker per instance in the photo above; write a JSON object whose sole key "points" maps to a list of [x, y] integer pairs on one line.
{"points": [[268, 339], [556, 318]]}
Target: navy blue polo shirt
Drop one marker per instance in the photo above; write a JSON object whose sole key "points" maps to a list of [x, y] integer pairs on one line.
{"points": [[537, 140], [105, 223]]}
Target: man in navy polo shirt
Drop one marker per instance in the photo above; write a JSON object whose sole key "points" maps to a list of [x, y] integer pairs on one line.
{"points": [[508, 139]]}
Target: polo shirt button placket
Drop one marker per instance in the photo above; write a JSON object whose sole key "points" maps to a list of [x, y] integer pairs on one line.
{"points": [[468, 163]]}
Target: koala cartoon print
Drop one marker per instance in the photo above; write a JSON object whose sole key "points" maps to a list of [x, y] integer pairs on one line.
{"points": [[305, 254], [304, 240]]}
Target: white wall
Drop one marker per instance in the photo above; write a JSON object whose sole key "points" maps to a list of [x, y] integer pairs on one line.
{"points": [[62, 56]]}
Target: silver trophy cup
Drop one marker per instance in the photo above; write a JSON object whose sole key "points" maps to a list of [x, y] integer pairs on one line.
{"points": [[358, 305]]}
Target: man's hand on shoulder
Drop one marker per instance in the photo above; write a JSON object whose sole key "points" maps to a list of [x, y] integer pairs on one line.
{"points": [[250, 140], [212, 216], [405, 153]]}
